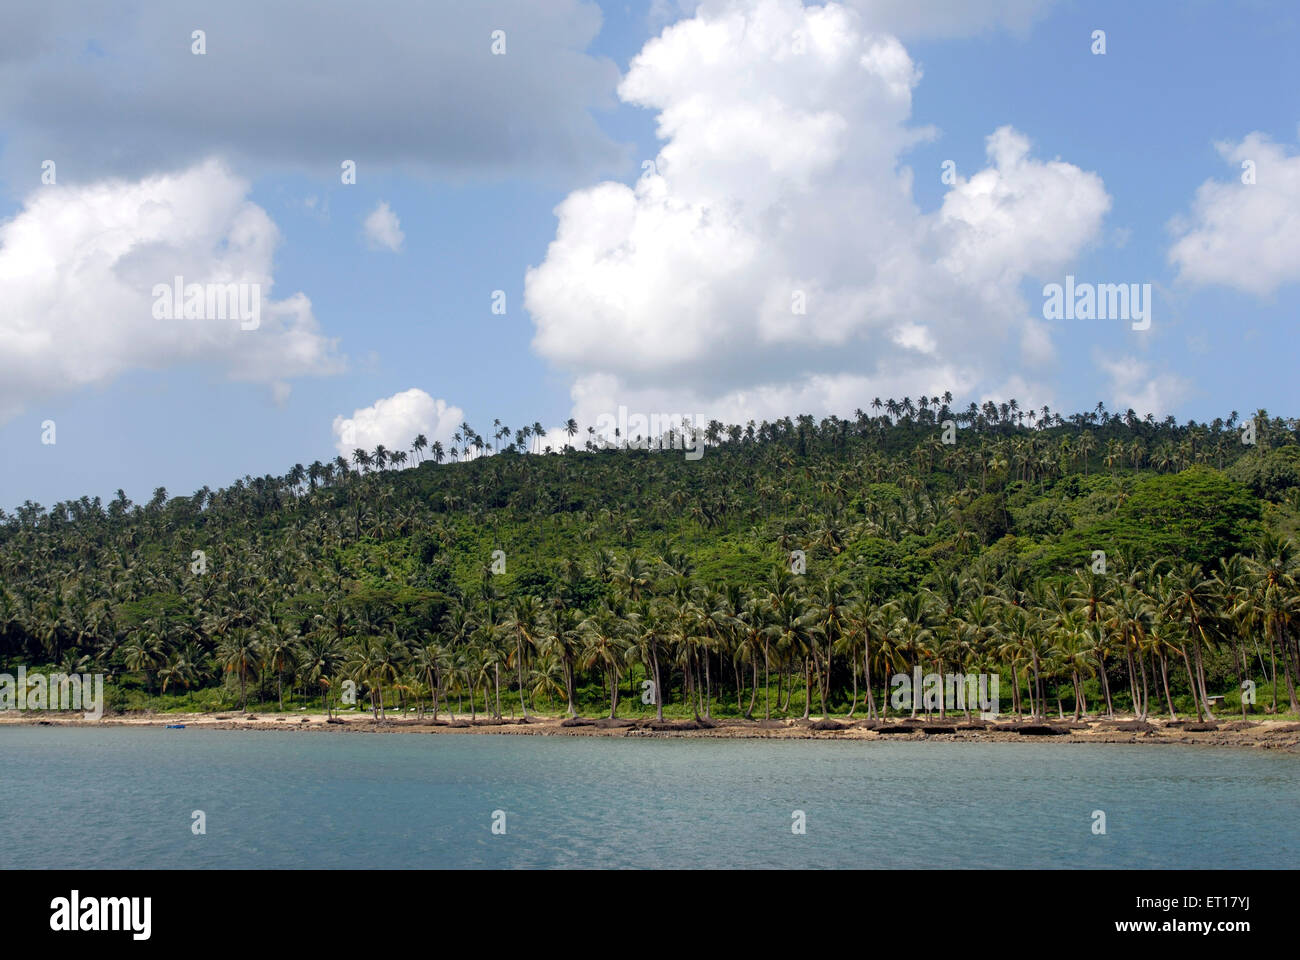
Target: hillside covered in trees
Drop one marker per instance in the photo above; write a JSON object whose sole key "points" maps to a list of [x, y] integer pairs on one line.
{"points": [[1097, 562]]}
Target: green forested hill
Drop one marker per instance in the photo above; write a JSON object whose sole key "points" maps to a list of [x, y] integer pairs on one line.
{"points": [[980, 555]]}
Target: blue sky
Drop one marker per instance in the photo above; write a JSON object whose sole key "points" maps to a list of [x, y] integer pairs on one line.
{"points": [[474, 167]]}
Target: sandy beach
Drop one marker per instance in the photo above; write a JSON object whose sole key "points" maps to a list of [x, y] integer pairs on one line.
{"points": [[1261, 734]]}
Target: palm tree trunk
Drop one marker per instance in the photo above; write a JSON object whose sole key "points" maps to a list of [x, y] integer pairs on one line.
{"points": [[1272, 657], [866, 677], [1191, 682], [767, 685], [853, 668], [659, 690], [707, 685], [1164, 678], [519, 666], [1200, 677], [1286, 670], [1132, 676], [1146, 695]]}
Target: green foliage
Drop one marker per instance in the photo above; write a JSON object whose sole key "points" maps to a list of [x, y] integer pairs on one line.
{"points": [[384, 577], [1197, 515], [1269, 474], [987, 517]]}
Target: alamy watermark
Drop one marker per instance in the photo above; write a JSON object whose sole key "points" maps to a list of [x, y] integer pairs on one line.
{"points": [[209, 301], [655, 431], [954, 691], [75, 913], [1098, 301], [60, 691]]}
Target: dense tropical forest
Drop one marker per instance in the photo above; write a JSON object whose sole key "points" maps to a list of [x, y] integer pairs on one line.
{"points": [[1099, 563]]}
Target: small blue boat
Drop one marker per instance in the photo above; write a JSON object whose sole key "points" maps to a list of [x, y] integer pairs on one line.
{"points": [[175, 726]]}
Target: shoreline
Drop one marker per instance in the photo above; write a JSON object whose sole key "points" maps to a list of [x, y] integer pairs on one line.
{"points": [[1260, 734]]}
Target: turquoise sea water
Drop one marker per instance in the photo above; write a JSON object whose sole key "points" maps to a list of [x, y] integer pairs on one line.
{"points": [[87, 798]]}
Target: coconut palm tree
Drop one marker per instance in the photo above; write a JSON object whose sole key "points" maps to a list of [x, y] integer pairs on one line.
{"points": [[562, 637], [605, 645], [1186, 596], [524, 624], [646, 638], [319, 658], [1274, 604], [240, 652]]}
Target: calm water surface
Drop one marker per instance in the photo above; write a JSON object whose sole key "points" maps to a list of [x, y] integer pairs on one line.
{"points": [[78, 798]]}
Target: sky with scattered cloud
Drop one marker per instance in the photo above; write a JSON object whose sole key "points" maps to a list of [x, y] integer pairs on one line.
{"points": [[540, 209]]}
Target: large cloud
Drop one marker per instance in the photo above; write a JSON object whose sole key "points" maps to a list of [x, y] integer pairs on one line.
{"points": [[406, 83], [395, 421], [78, 268], [780, 181], [1240, 234]]}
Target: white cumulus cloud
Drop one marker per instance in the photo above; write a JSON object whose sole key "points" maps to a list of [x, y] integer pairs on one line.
{"points": [[1134, 387], [773, 258], [384, 230], [78, 268], [1244, 235], [395, 421]]}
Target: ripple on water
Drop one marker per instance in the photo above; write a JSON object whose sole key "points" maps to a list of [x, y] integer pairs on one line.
{"points": [[76, 797]]}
